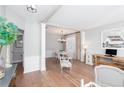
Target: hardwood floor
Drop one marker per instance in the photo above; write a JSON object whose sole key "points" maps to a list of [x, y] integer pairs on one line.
{"points": [[53, 76]]}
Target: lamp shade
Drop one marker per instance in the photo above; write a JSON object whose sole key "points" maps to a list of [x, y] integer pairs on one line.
{"points": [[85, 46]]}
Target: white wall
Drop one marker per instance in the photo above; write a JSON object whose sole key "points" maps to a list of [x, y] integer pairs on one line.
{"points": [[2, 11], [31, 46], [52, 45], [14, 18], [93, 38], [11, 16]]}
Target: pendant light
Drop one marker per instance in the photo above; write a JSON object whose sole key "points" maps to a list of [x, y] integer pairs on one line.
{"points": [[62, 39]]}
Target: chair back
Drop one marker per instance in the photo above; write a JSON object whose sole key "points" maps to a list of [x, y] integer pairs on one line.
{"points": [[109, 76]]}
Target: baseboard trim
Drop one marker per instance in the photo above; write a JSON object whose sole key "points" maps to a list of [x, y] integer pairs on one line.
{"points": [[31, 64]]}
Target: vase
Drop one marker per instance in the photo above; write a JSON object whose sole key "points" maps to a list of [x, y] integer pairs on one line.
{"points": [[2, 68]]}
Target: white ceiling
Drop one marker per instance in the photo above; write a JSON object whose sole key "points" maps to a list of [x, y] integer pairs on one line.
{"points": [[74, 17], [57, 30], [43, 11], [87, 17]]}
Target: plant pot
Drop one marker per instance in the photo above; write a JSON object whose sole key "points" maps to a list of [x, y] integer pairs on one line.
{"points": [[2, 72], [2, 68]]}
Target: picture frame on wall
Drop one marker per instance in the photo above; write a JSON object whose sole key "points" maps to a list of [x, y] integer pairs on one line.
{"points": [[19, 42], [112, 39]]}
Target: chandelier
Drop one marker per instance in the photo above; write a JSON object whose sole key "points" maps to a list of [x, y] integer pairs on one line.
{"points": [[62, 39]]}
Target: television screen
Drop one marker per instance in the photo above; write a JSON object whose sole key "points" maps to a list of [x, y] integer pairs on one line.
{"points": [[111, 51]]}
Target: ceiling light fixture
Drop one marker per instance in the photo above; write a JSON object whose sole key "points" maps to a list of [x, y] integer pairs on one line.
{"points": [[31, 8], [62, 39]]}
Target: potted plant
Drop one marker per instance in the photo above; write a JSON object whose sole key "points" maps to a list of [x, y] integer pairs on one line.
{"points": [[8, 35]]}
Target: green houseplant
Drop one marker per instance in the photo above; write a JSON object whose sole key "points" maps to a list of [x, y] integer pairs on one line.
{"points": [[8, 35]]}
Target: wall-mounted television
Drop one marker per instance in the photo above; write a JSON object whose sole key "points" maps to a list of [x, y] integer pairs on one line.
{"points": [[111, 52]]}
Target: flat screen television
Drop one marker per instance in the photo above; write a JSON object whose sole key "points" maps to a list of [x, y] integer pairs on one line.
{"points": [[111, 52]]}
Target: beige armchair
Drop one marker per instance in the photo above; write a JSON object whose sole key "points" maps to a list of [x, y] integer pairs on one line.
{"points": [[109, 76]]}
